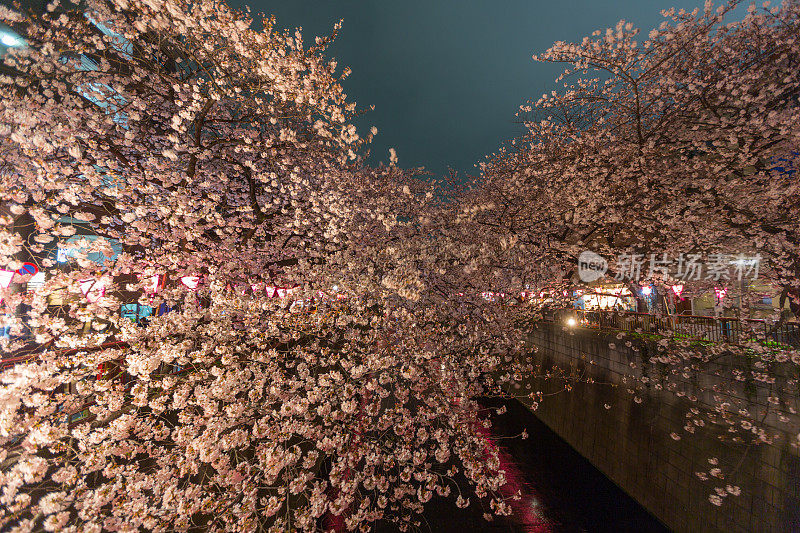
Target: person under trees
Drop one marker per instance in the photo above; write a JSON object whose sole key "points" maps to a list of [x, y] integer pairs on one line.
{"points": [[220, 159]]}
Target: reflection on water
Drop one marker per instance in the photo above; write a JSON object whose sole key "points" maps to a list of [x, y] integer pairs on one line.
{"points": [[561, 490]]}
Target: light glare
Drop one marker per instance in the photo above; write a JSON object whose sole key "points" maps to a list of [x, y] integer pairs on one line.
{"points": [[10, 40]]}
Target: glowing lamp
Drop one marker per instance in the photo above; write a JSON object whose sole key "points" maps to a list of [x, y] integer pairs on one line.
{"points": [[6, 277], [191, 282], [10, 40], [571, 322], [151, 284]]}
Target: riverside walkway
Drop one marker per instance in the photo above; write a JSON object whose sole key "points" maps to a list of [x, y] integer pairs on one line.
{"points": [[701, 328]]}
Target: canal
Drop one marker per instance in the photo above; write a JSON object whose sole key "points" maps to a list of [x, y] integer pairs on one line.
{"points": [[562, 491]]}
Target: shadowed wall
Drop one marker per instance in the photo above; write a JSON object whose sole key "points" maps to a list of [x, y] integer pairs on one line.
{"points": [[631, 442]]}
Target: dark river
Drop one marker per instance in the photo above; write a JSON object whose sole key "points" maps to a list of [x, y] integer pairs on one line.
{"points": [[561, 490]]}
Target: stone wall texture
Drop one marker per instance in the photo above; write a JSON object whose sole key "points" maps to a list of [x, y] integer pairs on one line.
{"points": [[631, 442]]}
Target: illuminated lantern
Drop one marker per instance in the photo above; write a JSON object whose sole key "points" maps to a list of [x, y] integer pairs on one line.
{"points": [[5, 278], [191, 282], [92, 289], [151, 284]]}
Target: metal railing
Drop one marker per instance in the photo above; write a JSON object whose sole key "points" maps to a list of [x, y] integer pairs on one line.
{"points": [[703, 328]]}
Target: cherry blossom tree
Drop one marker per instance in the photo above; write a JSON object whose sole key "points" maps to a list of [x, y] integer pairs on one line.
{"points": [[682, 142], [210, 162]]}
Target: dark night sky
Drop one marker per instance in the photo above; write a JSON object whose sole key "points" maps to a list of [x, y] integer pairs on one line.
{"points": [[447, 76]]}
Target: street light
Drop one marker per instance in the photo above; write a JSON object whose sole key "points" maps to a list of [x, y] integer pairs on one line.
{"points": [[10, 39]]}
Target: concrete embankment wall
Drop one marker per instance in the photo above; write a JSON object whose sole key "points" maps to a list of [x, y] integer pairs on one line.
{"points": [[631, 442]]}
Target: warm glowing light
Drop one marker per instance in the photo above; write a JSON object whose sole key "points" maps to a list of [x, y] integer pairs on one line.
{"points": [[608, 297], [191, 282], [647, 290], [677, 289], [5, 278], [151, 284], [571, 322]]}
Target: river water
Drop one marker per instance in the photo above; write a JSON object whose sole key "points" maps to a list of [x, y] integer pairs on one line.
{"points": [[561, 490]]}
